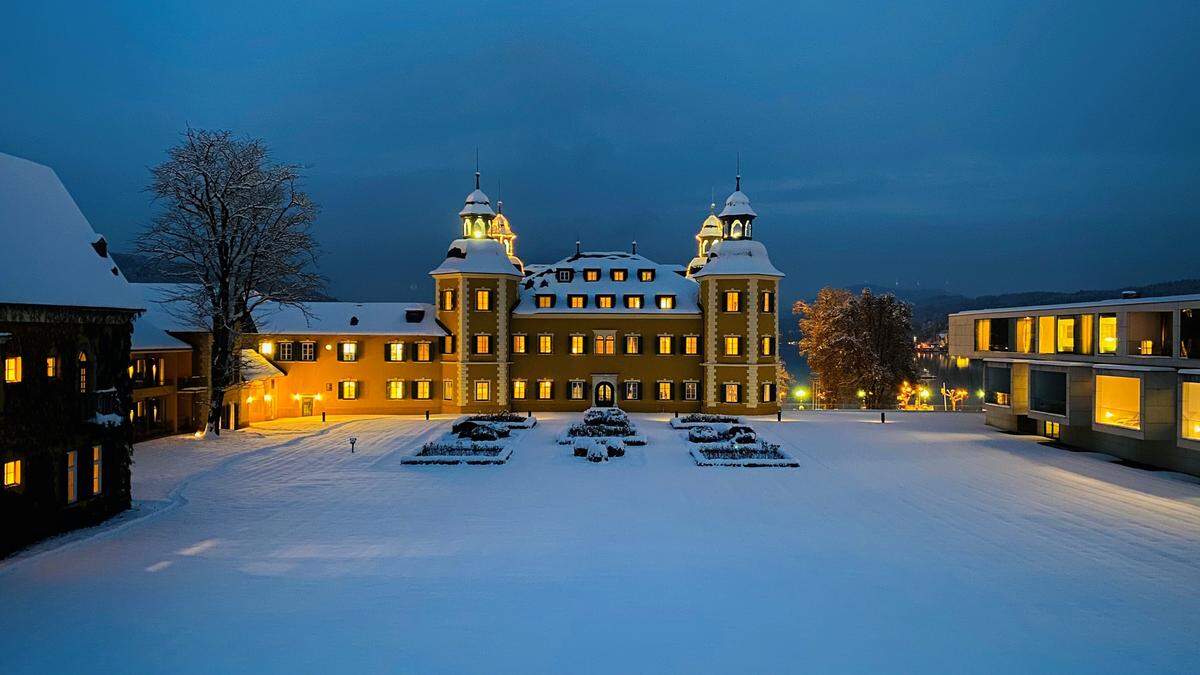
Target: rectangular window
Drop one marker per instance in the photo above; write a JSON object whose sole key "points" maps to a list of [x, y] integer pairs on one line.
{"points": [[997, 385], [591, 275], [447, 390], [51, 367], [577, 344], [72, 477], [308, 351], [577, 301], [666, 302], [606, 344], [518, 344], [633, 390], [348, 351], [666, 344], [12, 473], [767, 345], [447, 344], [618, 275], [633, 302], [691, 345], [768, 392], [691, 391], [733, 393], [565, 275], [544, 301], [1119, 401], [633, 344], [733, 301], [1066, 335], [545, 344], [12, 369], [287, 351], [1048, 392], [1045, 334], [518, 389], [483, 344], [1190, 421], [545, 389], [424, 390], [983, 335], [483, 390], [645, 275], [575, 390], [483, 300], [266, 348], [395, 389], [424, 351], [97, 470], [733, 345], [767, 299], [1025, 335], [348, 390], [447, 304], [395, 351], [605, 301], [664, 391]]}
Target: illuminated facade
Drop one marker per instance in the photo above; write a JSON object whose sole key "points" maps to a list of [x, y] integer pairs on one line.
{"points": [[1119, 376]]}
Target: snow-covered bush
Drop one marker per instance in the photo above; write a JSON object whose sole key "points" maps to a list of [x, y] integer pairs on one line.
{"points": [[458, 448], [711, 433], [480, 431], [597, 452], [591, 448], [704, 418], [731, 450]]}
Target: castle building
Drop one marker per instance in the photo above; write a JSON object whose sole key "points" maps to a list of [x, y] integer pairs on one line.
{"points": [[596, 328]]}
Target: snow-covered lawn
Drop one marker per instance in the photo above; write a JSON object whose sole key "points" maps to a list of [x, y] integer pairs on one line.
{"points": [[927, 544]]}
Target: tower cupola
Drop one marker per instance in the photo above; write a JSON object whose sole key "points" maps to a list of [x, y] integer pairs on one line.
{"points": [[477, 214], [501, 230], [737, 218], [711, 231]]}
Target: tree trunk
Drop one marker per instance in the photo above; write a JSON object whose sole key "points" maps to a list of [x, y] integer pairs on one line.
{"points": [[219, 377]]}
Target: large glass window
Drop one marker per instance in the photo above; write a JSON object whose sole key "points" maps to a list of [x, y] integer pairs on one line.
{"points": [[1108, 334], [1045, 334], [1189, 334], [1190, 422], [1048, 392], [1119, 401], [1025, 335], [1066, 334], [997, 385], [1150, 333], [983, 335]]}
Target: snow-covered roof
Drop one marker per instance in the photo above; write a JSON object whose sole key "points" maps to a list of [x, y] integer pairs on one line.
{"points": [[476, 256], [711, 227], [738, 257], [667, 281], [148, 337], [737, 204], [349, 318], [165, 309], [48, 255], [256, 367], [1195, 297], [477, 203]]}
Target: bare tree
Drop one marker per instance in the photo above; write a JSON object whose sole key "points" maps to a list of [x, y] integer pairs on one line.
{"points": [[235, 230]]}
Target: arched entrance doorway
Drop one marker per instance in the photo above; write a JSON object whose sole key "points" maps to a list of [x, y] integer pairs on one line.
{"points": [[605, 395]]}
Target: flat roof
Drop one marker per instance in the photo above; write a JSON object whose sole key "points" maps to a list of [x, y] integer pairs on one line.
{"points": [[1118, 302]]}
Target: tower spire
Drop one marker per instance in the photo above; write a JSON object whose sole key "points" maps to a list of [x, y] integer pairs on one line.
{"points": [[477, 168], [738, 178]]}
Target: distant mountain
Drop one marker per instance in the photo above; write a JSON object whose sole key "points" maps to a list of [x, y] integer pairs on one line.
{"points": [[142, 269]]}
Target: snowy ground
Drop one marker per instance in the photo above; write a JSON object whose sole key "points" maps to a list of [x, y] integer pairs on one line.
{"points": [[928, 544]]}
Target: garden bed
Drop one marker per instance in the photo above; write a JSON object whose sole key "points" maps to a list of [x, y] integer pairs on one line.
{"points": [[603, 423], [702, 419], [474, 439], [726, 443]]}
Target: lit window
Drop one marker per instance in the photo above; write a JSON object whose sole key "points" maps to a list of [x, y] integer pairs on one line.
{"points": [[768, 392], [348, 351], [666, 344], [97, 470], [633, 344], [591, 275], [286, 350], [447, 344], [691, 345], [664, 391], [733, 301], [1025, 335], [545, 389], [633, 301], [12, 473], [606, 344], [395, 351], [1146, 347], [545, 344], [618, 275], [733, 345], [447, 300], [348, 390], [577, 301], [1108, 334], [605, 301], [518, 387], [576, 344], [767, 300], [768, 345], [51, 367], [266, 348], [1051, 429], [983, 335], [12, 369], [1066, 334], [691, 390], [424, 390], [483, 344], [545, 301], [518, 344], [1190, 422], [447, 390], [633, 390], [1045, 330], [308, 351], [1119, 401], [733, 393], [72, 477], [83, 372], [483, 390], [645, 275], [575, 390], [666, 302], [395, 389], [424, 351], [483, 300]]}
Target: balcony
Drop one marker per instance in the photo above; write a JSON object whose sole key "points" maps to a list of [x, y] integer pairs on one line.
{"points": [[103, 407]]}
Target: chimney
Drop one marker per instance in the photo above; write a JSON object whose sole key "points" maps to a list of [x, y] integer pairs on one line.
{"points": [[1129, 295]]}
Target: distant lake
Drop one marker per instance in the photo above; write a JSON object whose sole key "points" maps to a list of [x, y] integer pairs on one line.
{"points": [[935, 370]]}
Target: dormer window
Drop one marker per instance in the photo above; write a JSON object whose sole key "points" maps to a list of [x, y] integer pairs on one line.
{"points": [[605, 301], [577, 301], [544, 301], [645, 275], [666, 302], [618, 274], [633, 302], [565, 275], [591, 274]]}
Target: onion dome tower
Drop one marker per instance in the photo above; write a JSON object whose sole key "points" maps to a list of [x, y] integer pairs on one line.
{"points": [[737, 218], [477, 214], [711, 231]]}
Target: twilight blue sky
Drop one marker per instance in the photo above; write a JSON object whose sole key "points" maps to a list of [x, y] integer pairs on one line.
{"points": [[956, 145]]}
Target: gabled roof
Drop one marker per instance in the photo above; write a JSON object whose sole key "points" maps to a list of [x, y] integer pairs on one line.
{"points": [[48, 250], [255, 366], [668, 280], [350, 318], [148, 337]]}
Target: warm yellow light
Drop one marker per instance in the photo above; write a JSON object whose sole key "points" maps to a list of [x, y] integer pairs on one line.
{"points": [[328, 347], [801, 393], [295, 397], [317, 397], [478, 234], [962, 362], [267, 398], [266, 348], [980, 393], [249, 399], [924, 393], [861, 393]]}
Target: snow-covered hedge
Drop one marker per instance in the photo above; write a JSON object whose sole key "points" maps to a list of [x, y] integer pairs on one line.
{"points": [[697, 419], [729, 453], [710, 433], [511, 420], [598, 449], [460, 451], [603, 423]]}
